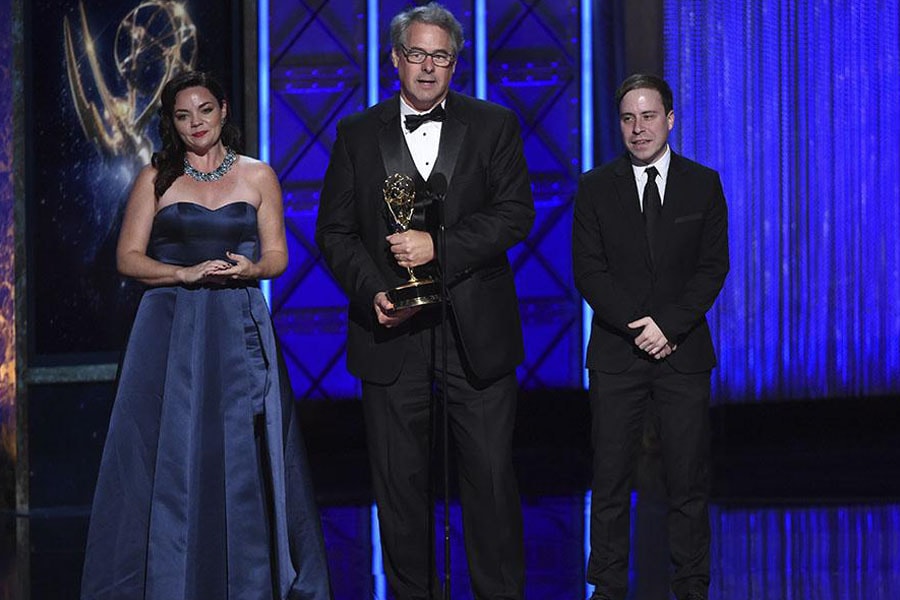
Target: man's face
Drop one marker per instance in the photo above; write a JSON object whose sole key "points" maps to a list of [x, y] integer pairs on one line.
{"points": [[424, 85], [645, 125]]}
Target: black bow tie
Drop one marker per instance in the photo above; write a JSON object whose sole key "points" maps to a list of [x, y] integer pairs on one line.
{"points": [[412, 122]]}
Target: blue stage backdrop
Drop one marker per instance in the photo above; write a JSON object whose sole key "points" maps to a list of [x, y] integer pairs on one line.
{"points": [[330, 59], [796, 104], [317, 68]]}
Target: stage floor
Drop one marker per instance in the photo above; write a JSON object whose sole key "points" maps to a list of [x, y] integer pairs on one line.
{"points": [[806, 501], [760, 552]]}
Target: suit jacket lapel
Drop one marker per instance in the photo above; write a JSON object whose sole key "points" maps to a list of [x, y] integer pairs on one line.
{"points": [[390, 140], [630, 204], [393, 146], [674, 194], [452, 133]]}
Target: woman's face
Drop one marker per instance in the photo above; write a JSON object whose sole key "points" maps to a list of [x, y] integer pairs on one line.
{"points": [[198, 118]]}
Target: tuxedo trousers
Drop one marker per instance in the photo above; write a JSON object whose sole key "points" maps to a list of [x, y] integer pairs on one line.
{"points": [[401, 420], [619, 404]]}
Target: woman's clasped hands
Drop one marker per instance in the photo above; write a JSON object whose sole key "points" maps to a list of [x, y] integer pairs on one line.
{"points": [[218, 271]]}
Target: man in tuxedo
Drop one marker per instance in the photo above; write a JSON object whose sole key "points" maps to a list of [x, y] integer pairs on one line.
{"points": [[466, 154], [650, 255]]}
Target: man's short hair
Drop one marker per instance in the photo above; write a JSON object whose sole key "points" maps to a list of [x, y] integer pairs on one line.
{"points": [[432, 13], [646, 81]]}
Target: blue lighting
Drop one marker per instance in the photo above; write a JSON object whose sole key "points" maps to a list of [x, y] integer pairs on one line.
{"points": [[481, 49], [839, 552], [372, 52], [587, 141], [588, 588], [263, 79], [785, 99], [264, 106], [587, 162], [587, 85], [379, 581]]}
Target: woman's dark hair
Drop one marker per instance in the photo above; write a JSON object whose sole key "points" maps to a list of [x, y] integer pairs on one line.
{"points": [[169, 161]]}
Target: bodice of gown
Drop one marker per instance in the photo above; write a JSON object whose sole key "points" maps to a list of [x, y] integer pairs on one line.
{"points": [[186, 233]]}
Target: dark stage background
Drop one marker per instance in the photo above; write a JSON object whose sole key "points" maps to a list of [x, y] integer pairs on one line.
{"points": [[795, 103], [79, 176]]}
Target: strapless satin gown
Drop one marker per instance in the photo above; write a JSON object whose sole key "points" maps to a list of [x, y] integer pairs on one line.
{"points": [[204, 492]]}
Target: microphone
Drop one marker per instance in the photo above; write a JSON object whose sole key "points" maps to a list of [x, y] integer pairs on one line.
{"points": [[429, 204], [437, 186]]}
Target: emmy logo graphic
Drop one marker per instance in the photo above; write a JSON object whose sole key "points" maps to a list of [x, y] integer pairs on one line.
{"points": [[154, 42]]}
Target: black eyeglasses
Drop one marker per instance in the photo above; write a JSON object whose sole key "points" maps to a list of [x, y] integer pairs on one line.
{"points": [[417, 56]]}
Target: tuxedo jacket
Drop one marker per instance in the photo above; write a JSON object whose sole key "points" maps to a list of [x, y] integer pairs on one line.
{"points": [[488, 208], [615, 273]]}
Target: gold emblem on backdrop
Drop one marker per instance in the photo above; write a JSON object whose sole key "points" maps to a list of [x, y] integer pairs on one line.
{"points": [[155, 41]]}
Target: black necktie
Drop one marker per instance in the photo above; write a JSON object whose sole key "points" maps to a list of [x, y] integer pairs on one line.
{"points": [[412, 122], [652, 205]]}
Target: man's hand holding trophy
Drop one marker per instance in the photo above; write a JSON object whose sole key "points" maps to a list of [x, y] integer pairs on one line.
{"points": [[399, 196]]}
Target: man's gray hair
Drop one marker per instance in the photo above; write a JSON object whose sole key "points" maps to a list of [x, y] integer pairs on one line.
{"points": [[432, 13]]}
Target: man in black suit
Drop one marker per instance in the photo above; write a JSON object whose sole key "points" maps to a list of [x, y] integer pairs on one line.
{"points": [[650, 255], [470, 153]]}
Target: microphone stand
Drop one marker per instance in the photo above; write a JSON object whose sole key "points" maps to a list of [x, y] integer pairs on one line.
{"points": [[445, 331]]}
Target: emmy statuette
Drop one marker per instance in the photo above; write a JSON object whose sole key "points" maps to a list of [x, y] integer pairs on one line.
{"points": [[400, 195]]}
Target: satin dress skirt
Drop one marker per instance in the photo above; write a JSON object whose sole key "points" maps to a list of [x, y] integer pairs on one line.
{"points": [[204, 491]]}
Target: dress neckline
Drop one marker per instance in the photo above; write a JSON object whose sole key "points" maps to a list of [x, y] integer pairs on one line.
{"points": [[206, 208]]}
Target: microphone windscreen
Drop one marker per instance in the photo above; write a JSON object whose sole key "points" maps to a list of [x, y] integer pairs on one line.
{"points": [[438, 184]]}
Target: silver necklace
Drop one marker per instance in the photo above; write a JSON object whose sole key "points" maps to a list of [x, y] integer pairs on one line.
{"points": [[214, 175]]}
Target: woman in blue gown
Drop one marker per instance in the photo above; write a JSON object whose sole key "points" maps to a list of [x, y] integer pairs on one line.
{"points": [[204, 491]]}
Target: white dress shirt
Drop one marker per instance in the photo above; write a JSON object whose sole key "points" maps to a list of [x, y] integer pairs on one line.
{"points": [[640, 176], [423, 143]]}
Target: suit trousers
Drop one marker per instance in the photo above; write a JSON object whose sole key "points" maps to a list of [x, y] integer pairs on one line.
{"points": [[619, 403], [400, 421]]}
